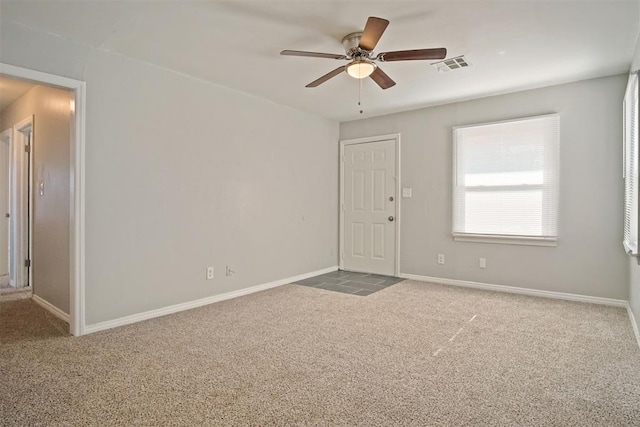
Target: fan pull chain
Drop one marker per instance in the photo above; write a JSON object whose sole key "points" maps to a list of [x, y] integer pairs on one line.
{"points": [[360, 94]]}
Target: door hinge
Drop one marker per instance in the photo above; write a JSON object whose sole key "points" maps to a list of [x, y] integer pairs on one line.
{"points": [[342, 207], [27, 148], [27, 263], [7, 215]]}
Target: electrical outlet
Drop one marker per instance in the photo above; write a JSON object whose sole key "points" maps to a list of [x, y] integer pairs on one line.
{"points": [[440, 258], [230, 272], [209, 273], [482, 263]]}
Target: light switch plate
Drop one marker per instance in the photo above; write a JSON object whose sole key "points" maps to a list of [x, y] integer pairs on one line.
{"points": [[406, 192]]}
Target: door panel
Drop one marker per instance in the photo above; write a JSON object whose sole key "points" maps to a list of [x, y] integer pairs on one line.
{"points": [[357, 239], [369, 190], [379, 190], [377, 241], [357, 184]]}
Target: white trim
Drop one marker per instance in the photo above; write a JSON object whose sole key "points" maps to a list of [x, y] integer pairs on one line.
{"points": [[500, 122], [77, 201], [634, 324], [50, 308], [399, 202], [630, 165], [77, 181], [630, 249], [507, 240], [139, 317], [366, 139], [38, 76], [23, 133], [398, 220], [516, 290]]}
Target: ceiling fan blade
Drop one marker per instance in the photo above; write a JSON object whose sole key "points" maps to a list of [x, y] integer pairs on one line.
{"points": [[412, 55], [327, 77], [372, 32], [382, 79], [312, 54]]}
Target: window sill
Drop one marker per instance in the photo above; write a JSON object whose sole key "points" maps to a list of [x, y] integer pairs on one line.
{"points": [[630, 248], [505, 240]]}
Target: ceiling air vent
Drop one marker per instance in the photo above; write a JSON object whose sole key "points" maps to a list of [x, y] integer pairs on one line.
{"points": [[451, 64]]}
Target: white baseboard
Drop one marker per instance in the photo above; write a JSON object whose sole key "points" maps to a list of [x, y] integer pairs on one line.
{"points": [[127, 320], [516, 290], [634, 324], [50, 308]]}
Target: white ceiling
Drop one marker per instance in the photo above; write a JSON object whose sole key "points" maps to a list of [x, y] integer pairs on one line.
{"points": [[12, 89], [513, 45]]}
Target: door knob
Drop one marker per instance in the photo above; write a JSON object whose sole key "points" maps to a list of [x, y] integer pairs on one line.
{"points": [[391, 218]]}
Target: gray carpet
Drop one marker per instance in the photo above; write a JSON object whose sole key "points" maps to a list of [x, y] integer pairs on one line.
{"points": [[411, 354]]}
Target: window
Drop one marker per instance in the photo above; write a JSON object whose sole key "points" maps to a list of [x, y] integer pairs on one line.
{"points": [[630, 150], [506, 181]]}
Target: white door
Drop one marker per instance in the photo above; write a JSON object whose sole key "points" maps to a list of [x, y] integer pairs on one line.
{"points": [[5, 208], [369, 224]]}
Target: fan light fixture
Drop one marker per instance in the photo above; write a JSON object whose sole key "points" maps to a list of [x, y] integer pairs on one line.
{"points": [[360, 69], [359, 48]]}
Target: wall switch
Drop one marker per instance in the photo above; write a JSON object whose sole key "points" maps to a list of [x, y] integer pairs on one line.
{"points": [[230, 272], [440, 258], [482, 263], [406, 192], [209, 273]]}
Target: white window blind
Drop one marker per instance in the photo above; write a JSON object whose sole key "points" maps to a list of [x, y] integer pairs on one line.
{"points": [[506, 181], [630, 118]]}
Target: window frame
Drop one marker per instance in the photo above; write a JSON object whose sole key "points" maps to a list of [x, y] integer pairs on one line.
{"points": [[507, 238], [628, 147]]}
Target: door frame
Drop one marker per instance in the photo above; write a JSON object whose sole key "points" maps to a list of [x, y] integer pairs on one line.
{"points": [[6, 137], [23, 200], [76, 186], [343, 143]]}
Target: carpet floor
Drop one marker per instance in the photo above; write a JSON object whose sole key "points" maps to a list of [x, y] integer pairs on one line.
{"points": [[24, 320], [411, 354]]}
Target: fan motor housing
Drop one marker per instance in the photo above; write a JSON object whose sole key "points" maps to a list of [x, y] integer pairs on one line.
{"points": [[351, 44]]}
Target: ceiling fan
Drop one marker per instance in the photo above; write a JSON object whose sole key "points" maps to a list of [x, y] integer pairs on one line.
{"points": [[359, 50]]}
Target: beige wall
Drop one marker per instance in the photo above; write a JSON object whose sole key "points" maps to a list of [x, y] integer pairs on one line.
{"points": [[51, 156], [588, 260], [182, 174]]}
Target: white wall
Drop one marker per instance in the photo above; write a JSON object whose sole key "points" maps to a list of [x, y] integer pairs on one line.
{"points": [[183, 174], [50, 108], [588, 260]]}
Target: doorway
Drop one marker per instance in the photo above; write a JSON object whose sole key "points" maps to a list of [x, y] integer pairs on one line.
{"points": [[75, 185], [15, 207], [369, 205]]}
